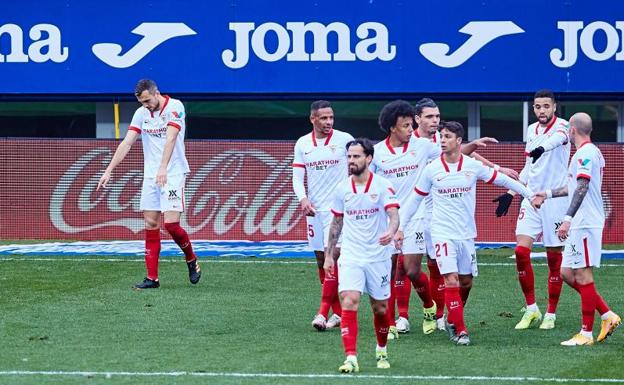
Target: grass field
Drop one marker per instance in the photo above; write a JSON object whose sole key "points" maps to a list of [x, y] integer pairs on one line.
{"points": [[76, 321]]}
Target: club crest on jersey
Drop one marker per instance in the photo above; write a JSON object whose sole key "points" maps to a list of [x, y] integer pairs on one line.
{"points": [[373, 197], [333, 148], [468, 174], [583, 162]]}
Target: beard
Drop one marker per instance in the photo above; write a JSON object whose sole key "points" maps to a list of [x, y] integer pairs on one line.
{"points": [[355, 170]]}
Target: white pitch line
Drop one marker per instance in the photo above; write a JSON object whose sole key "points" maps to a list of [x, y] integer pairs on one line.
{"points": [[308, 376], [226, 261]]}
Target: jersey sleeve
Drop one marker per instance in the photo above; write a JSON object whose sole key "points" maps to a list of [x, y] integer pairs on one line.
{"points": [[389, 197], [337, 207], [434, 151], [298, 175], [175, 116], [298, 160], [137, 121], [586, 165], [423, 186]]}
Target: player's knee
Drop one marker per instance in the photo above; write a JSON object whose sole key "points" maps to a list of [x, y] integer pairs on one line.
{"points": [[151, 223], [380, 309]]}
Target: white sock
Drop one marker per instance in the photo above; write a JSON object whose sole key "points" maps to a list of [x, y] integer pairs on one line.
{"points": [[587, 334], [532, 307], [606, 315], [550, 315], [380, 349]]}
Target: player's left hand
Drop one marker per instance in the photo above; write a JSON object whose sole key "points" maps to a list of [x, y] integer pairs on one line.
{"points": [[483, 142], [385, 238], [536, 153], [538, 200], [328, 266], [509, 172], [398, 239], [563, 231], [161, 177], [504, 201]]}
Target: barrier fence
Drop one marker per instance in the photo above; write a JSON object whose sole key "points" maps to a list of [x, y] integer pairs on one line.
{"points": [[237, 190]]}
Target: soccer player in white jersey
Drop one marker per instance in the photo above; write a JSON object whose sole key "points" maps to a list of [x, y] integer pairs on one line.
{"points": [[427, 117], [321, 160], [547, 154], [365, 209], [451, 179], [160, 121], [582, 229], [400, 158]]}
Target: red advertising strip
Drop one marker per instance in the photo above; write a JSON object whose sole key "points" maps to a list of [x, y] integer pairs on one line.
{"points": [[237, 190]]}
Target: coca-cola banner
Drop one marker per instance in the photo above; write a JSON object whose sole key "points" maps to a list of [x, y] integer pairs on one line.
{"points": [[237, 190]]}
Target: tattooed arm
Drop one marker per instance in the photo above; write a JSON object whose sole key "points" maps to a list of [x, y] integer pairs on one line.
{"points": [[577, 199], [393, 226], [334, 233]]}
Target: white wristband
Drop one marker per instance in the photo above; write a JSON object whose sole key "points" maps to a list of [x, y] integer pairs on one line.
{"points": [[549, 193], [496, 167], [567, 218]]}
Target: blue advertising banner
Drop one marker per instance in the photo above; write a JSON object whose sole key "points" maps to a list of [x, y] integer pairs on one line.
{"points": [[355, 46]]}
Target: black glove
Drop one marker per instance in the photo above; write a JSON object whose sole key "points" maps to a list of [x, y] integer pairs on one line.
{"points": [[504, 201], [536, 153]]}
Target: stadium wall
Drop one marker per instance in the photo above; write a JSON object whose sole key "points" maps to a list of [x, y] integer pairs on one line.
{"points": [[237, 190]]}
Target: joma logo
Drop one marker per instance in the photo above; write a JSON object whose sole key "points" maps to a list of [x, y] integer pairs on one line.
{"points": [[373, 44]]}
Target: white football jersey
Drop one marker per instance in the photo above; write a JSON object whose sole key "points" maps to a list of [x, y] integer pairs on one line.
{"points": [[587, 163], [325, 162], [402, 166], [436, 139], [453, 190], [153, 129], [548, 172], [365, 220]]}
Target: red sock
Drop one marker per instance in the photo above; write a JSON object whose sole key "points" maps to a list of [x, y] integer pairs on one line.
{"points": [[321, 274], [180, 237], [601, 305], [381, 329], [525, 273], [455, 309], [422, 288], [436, 286], [403, 288], [349, 331], [588, 305], [336, 308], [554, 279], [391, 314], [464, 292], [329, 292], [152, 252]]}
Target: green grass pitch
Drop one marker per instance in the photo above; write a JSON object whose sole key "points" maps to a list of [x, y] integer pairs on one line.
{"points": [[248, 322]]}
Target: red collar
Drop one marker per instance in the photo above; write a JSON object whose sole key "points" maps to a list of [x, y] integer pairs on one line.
{"points": [[368, 183], [392, 148], [327, 139], [582, 144], [548, 126], [446, 167]]}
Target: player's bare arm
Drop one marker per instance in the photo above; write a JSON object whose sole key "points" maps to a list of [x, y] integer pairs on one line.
{"points": [[503, 170], [393, 226], [469, 148], [334, 233], [121, 152], [560, 192], [577, 199], [172, 135]]}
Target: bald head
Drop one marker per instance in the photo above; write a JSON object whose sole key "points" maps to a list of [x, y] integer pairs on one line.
{"points": [[582, 122]]}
